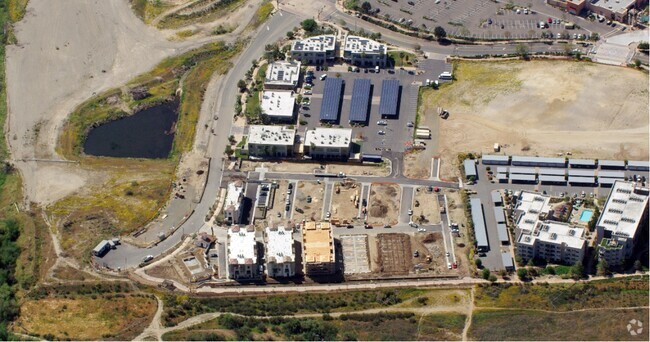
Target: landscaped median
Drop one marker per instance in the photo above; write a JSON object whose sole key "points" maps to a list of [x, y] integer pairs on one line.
{"points": [[126, 193]]}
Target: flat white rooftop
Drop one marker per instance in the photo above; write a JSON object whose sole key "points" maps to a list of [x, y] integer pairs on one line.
{"points": [[613, 5], [624, 209], [283, 73], [532, 204], [241, 245], [356, 44], [235, 189], [279, 244], [328, 137], [278, 103], [315, 44], [556, 233], [271, 135]]}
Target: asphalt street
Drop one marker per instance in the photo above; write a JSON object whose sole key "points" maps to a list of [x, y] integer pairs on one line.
{"points": [[126, 256]]}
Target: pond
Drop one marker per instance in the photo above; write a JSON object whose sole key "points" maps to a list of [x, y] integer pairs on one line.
{"points": [[145, 134]]}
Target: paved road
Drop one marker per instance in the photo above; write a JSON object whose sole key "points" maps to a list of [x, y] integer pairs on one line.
{"points": [[406, 204], [438, 51], [127, 256]]}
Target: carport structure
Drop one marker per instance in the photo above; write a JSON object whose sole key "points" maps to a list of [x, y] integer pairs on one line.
{"points": [[333, 89], [389, 98], [360, 101]]}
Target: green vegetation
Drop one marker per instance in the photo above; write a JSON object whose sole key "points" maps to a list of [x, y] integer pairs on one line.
{"points": [[385, 326], [401, 58], [148, 10], [186, 33], [178, 308], [160, 85], [201, 11], [500, 325], [133, 190], [262, 13], [626, 292]]}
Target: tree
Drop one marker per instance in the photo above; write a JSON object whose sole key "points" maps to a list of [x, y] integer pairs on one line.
{"points": [[478, 263], [365, 7], [486, 274], [577, 270], [643, 46], [290, 34], [440, 33], [522, 273], [594, 219], [522, 50], [492, 278], [602, 268], [309, 25], [638, 265], [241, 85]]}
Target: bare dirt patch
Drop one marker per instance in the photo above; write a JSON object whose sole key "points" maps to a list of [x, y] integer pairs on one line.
{"points": [[311, 211], [394, 256], [417, 164], [431, 253], [426, 209], [383, 205], [542, 108], [345, 201]]}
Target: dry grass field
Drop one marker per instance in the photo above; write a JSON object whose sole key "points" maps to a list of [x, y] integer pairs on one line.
{"points": [[86, 318], [540, 108]]}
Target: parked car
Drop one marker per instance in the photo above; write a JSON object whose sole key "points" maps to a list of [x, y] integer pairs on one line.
{"points": [[381, 132], [323, 76], [147, 258], [410, 124], [382, 122]]}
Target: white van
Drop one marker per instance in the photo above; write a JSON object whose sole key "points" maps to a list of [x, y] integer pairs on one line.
{"points": [[377, 69], [445, 76]]}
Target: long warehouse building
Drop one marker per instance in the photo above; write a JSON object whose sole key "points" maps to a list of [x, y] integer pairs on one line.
{"points": [[480, 231]]}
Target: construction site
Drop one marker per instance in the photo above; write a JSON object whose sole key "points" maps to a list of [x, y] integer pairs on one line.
{"points": [[383, 205]]}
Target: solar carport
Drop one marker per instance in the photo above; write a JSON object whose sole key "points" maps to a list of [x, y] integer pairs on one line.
{"points": [[329, 109], [389, 98], [360, 100]]}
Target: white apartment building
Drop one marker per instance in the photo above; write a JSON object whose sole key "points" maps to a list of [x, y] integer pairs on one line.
{"points": [[234, 201], [314, 50], [282, 75], [553, 241], [364, 52], [620, 224], [242, 253], [539, 237], [280, 253], [327, 143], [278, 105], [270, 141]]}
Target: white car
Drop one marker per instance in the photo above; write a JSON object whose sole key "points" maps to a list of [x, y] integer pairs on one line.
{"points": [[382, 123], [308, 92], [410, 124], [323, 76], [422, 230], [147, 258], [410, 212], [328, 214], [447, 254], [449, 265], [381, 132]]}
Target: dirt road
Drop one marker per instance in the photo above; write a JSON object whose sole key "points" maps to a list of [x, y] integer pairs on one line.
{"points": [[66, 52]]}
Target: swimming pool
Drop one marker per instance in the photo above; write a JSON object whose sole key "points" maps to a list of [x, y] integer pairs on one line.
{"points": [[586, 215]]}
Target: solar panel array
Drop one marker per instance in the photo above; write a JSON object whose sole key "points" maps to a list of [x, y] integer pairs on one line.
{"points": [[389, 97], [360, 100], [329, 110]]}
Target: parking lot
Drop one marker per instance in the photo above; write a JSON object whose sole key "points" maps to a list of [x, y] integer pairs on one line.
{"points": [[393, 134], [482, 19]]}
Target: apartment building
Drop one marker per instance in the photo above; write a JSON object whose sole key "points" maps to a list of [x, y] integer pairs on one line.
{"points": [[282, 75], [327, 143], [280, 252], [552, 241], [242, 253], [270, 141], [318, 248], [364, 52], [233, 205], [314, 50], [622, 221]]}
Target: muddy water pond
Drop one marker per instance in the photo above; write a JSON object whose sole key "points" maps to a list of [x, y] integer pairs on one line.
{"points": [[145, 134]]}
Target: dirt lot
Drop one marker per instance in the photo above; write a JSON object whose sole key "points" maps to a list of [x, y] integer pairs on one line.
{"points": [[430, 244], [343, 205], [287, 166], [314, 210], [417, 163], [428, 209], [461, 245], [383, 205], [394, 255], [541, 108]]}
